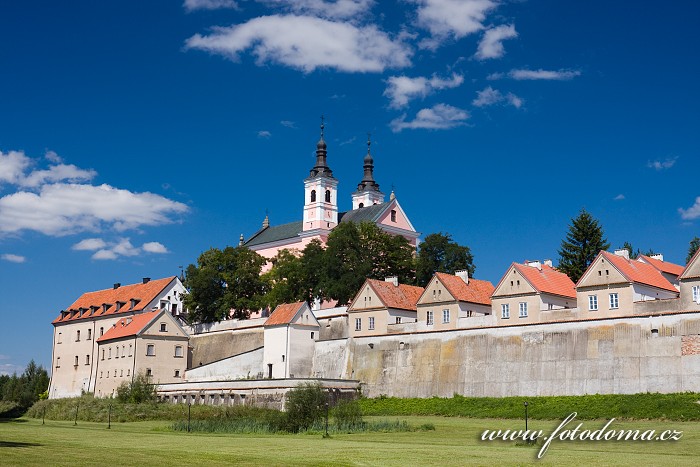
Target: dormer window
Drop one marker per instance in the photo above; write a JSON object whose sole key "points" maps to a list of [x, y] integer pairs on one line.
{"points": [[93, 309], [119, 306], [362, 205], [105, 306], [313, 195], [134, 302]]}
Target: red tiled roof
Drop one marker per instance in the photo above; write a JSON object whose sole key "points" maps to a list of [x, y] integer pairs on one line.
{"points": [[547, 279], [131, 326], [636, 271], [145, 293], [402, 297], [477, 291], [284, 313], [664, 266]]}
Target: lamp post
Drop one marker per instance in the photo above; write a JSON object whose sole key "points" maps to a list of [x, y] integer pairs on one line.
{"points": [[525, 415], [109, 418], [189, 415], [326, 419]]}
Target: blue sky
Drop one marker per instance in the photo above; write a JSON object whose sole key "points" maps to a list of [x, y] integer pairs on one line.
{"points": [[134, 135]]}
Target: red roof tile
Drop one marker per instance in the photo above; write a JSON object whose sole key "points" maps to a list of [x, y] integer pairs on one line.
{"points": [[547, 279], [284, 313], [636, 271], [663, 266], [131, 326], [145, 293], [402, 297], [477, 291]]}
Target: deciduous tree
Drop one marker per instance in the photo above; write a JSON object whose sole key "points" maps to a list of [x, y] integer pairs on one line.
{"points": [[439, 253]]}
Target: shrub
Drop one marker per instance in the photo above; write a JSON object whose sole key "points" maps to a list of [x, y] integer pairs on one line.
{"points": [[348, 415], [137, 391], [304, 406]]}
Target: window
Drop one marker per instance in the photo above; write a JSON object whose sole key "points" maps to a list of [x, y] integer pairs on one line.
{"points": [[361, 205], [177, 373], [89, 337], [129, 350], [614, 301], [313, 195], [371, 322], [696, 293], [76, 361], [358, 324], [398, 320], [115, 373], [60, 336], [393, 215], [178, 351], [109, 355], [149, 372], [163, 327], [445, 316], [429, 317], [283, 358], [77, 336], [102, 331], [117, 350], [103, 354], [151, 350], [592, 302], [58, 362], [101, 373], [312, 334], [505, 311], [121, 373], [328, 196], [128, 371], [87, 359], [123, 351], [522, 309]]}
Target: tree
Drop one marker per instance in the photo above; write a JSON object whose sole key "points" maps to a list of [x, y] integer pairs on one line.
{"points": [[438, 253], [581, 245], [286, 280], [356, 252], [138, 391], [304, 406], [224, 281], [692, 249], [25, 389], [312, 265], [633, 254]]}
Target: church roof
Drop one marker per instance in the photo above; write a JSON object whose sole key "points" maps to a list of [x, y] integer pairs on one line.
{"points": [[293, 229], [275, 233]]}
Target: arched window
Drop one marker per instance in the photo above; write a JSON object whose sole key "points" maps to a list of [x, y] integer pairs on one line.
{"points": [[313, 195], [362, 205], [393, 215], [328, 196]]}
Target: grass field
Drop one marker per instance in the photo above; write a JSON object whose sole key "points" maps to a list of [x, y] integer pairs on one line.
{"points": [[455, 441]]}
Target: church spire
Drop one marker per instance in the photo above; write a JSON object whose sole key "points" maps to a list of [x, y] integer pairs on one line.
{"points": [[321, 167], [368, 182]]}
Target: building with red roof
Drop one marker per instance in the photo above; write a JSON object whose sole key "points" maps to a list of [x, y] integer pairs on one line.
{"points": [[78, 327], [690, 284], [448, 298], [670, 271], [291, 333], [380, 304], [527, 290], [152, 343], [613, 283]]}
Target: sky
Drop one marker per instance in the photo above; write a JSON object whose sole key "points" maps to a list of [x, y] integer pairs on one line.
{"points": [[135, 135]]}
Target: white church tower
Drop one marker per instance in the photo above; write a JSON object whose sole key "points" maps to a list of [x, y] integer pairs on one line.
{"points": [[367, 193], [320, 193]]}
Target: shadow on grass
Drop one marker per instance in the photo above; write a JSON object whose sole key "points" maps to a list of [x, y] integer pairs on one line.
{"points": [[13, 444], [12, 420]]}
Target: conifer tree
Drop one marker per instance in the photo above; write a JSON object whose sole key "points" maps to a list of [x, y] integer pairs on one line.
{"points": [[581, 245], [694, 246]]}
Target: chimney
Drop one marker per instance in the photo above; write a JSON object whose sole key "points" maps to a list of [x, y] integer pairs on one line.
{"points": [[393, 279], [463, 274], [658, 256], [548, 262], [146, 280], [534, 264], [624, 252], [117, 285]]}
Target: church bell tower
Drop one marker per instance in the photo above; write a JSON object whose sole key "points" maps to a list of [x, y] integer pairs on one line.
{"points": [[320, 192], [367, 192]]}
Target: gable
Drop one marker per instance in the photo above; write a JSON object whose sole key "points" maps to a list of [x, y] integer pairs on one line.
{"points": [[435, 292], [367, 298], [513, 283], [305, 317], [601, 272], [692, 270], [172, 327]]}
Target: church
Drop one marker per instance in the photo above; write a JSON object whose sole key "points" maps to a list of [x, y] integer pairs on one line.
{"points": [[321, 213]]}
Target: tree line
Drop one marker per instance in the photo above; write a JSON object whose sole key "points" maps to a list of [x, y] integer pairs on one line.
{"points": [[18, 393], [230, 279]]}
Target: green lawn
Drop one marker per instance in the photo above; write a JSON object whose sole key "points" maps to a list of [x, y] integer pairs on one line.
{"points": [[455, 441]]}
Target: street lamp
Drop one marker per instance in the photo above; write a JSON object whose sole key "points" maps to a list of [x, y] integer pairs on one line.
{"points": [[525, 415], [326, 420]]}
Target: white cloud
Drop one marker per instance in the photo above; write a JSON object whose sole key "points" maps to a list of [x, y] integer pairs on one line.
{"points": [[288, 124], [192, 5], [619, 197], [264, 134], [495, 76], [491, 44], [154, 247], [62, 209], [105, 255], [57, 173], [438, 117], [338, 9], [89, 244], [12, 166], [451, 18], [556, 75], [489, 96], [401, 89], [10, 369], [51, 156], [662, 165], [13, 258], [307, 43], [693, 212], [125, 248]]}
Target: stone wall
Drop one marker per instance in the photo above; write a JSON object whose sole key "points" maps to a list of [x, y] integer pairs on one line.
{"points": [[215, 346], [624, 356]]}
